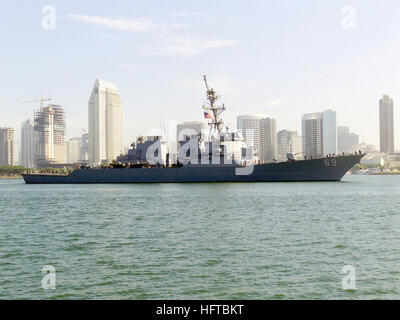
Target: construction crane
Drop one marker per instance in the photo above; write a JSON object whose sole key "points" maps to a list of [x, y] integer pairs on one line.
{"points": [[41, 101]]}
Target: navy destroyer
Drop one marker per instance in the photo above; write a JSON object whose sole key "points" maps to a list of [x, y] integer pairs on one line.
{"points": [[219, 156]]}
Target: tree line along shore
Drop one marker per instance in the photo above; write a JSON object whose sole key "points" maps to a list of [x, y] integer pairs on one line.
{"points": [[15, 172]]}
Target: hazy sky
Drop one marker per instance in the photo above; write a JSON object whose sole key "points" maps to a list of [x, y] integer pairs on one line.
{"points": [[282, 58]]}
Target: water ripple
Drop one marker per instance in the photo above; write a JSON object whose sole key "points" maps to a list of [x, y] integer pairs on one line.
{"points": [[201, 241]]}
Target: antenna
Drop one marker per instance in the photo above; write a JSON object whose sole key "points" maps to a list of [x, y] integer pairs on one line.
{"points": [[212, 97], [205, 81]]}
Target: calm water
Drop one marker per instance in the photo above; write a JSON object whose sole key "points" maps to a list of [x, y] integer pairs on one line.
{"points": [[201, 241]]}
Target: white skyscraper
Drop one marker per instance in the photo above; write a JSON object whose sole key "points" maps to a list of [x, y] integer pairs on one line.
{"points": [[268, 140], [27, 144], [105, 123], [311, 132], [329, 133], [319, 133], [249, 126]]}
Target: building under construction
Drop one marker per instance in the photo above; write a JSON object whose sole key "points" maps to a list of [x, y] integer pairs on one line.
{"points": [[50, 136]]}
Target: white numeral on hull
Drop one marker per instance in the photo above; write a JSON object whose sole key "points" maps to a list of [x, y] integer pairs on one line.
{"points": [[330, 162]]}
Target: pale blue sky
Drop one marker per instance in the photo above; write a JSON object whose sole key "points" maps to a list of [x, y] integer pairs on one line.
{"points": [[282, 58]]}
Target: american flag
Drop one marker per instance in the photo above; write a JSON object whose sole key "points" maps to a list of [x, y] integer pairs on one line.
{"points": [[208, 115]]}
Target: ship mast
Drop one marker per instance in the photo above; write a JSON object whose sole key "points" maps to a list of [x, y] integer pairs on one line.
{"points": [[216, 122]]}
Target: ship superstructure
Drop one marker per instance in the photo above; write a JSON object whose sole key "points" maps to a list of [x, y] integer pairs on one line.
{"points": [[218, 146]]}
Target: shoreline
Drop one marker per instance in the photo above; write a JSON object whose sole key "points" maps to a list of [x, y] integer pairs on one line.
{"points": [[10, 177], [378, 174]]}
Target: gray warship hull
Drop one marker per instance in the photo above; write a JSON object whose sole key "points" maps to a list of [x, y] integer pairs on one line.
{"points": [[322, 169]]}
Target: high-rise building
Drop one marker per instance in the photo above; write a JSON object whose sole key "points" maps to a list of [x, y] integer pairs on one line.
{"points": [[6, 147], [329, 134], [249, 126], [319, 136], [74, 150], [106, 134], [386, 132], [347, 141], [268, 148], [50, 131], [311, 133], [288, 142], [27, 144], [84, 147]]}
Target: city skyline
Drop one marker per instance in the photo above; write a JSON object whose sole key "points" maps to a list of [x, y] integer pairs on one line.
{"points": [[127, 142], [167, 81], [320, 132]]}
